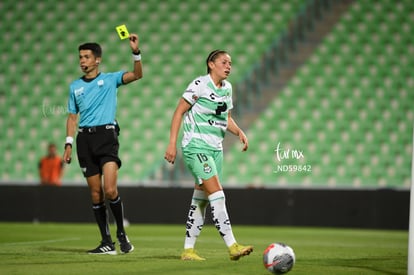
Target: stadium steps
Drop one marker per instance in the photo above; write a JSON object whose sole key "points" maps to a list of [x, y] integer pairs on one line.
{"points": [[325, 21]]}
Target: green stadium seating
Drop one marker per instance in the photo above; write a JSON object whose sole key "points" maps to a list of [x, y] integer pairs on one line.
{"points": [[348, 108], [39, 46]]}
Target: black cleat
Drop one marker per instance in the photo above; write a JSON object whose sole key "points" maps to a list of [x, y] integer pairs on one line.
{"points": [[104, 248], [124, 244]]}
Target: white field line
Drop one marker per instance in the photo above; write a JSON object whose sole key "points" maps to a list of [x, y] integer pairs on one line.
{"points": [[40, 242]]}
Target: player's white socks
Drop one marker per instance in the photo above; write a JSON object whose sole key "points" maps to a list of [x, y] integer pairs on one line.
{"points": [[195, 219], [220, 217]]}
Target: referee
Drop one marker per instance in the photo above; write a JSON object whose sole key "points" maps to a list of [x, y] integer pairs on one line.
{"points": [[93, 97]]}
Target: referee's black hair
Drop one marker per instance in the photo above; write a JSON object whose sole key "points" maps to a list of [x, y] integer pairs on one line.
{"points": [[212, 56], [94, 47]]}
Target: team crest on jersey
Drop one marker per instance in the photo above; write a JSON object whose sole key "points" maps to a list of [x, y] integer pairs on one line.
{"points": [[207, 168]]}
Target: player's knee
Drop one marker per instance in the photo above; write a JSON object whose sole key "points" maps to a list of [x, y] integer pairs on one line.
{"points": [[111, 193], [96, 196]]}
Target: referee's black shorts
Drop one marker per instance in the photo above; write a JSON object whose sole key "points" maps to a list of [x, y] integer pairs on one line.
{"points": [[95, 147]]}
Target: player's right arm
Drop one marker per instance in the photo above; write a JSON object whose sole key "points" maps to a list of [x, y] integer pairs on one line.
{"points": [[71, 124], [171, 152]]}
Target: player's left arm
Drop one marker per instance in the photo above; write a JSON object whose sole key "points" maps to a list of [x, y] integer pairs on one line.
{"points": [[233, 128], [137, 73]]}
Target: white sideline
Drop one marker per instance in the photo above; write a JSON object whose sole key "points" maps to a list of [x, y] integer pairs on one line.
{"points": [[40, 242]]}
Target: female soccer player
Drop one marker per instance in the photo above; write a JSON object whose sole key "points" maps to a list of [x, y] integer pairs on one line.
{"points": [[206, 105], [93, 98]]}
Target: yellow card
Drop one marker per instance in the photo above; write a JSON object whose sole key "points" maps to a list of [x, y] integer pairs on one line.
{"points": [[122, 32]]}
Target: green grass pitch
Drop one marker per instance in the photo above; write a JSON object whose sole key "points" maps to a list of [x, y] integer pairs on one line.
{"points": [[59, 248]]}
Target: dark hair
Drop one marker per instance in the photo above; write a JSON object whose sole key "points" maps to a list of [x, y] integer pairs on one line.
{"points": [[94, 47], [212, 56], [51, 144]]}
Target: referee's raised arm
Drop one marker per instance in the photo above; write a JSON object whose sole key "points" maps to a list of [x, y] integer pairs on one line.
{"points": [[129, 77]]}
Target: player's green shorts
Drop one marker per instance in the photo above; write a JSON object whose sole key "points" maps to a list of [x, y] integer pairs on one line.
{"points": [[204, 165]]}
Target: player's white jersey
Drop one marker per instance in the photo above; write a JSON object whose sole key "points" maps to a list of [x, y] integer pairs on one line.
{"points": [[205, 123]]}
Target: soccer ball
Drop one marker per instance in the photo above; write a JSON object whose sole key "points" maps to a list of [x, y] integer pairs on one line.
{"points": [[278, 258]]}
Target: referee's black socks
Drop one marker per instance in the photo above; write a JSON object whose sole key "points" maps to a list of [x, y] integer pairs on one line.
{"points": [[118, 212], [101, 217]]}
